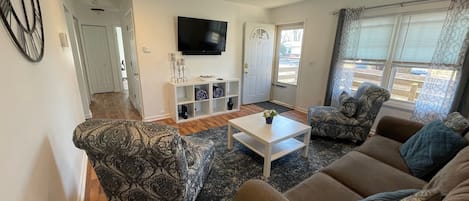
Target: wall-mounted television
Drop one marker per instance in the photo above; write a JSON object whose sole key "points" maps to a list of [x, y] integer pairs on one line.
{"points": [[201, 36]]}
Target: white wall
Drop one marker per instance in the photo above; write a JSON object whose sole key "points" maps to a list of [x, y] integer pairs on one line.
{"points": [[155, 25], [40, 107]]}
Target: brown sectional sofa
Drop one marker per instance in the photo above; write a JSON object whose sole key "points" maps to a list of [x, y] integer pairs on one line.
{"points": [[376, 166]]}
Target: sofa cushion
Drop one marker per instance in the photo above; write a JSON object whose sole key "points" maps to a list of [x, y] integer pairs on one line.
{"points": [[457, 122], [348, 104], [459, 193], [385, 150], [357, 171], [454, 173], [391, 196], [425, 195], [321, 187], [430, 149]]}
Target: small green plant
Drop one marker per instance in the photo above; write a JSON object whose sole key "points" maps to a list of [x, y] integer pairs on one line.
{"points": [[270, 113]]}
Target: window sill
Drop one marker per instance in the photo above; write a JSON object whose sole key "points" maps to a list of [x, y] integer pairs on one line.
{"points": [[400, 105]]}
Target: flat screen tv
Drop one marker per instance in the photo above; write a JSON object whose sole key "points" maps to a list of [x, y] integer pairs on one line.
{"points": [[201, 37]]}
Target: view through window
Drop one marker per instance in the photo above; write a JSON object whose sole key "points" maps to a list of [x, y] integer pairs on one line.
{"points": [[396, 52], [289, 54]]}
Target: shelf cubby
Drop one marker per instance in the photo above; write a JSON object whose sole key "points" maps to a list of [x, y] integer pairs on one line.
{"points": [[221, 85], [235, 101], [202, 108], [185, 94], [218, 105], [190, 111], [232, 88], [204, 87]]}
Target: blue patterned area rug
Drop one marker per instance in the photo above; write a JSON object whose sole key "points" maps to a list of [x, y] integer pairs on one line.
{"points": [[272, 106], [231, 168]]}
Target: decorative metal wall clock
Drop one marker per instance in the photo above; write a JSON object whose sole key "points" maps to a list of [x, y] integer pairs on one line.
{"points": [[24, 23]]}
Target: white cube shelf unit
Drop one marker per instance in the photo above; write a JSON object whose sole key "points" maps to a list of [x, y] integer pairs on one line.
{"points": [[184, 94]]}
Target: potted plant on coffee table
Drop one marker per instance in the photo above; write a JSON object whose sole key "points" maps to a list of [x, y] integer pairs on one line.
{"points": [[269, 116]]}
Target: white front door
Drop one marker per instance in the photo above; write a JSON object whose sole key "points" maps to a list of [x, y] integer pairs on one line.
{"points": [[100, 73], [257, 65], [133, 75]]}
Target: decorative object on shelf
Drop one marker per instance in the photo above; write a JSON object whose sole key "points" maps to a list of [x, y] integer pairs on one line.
{"points": [[230, 104], [206, 77], [178, 69], [183, 112], [269, 116], [181, 70], [173, 67], [200, 94], [218, 92], [29, 37]]}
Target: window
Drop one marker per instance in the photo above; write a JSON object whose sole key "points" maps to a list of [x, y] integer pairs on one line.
{"points": [[290, 39], [396, 52]]}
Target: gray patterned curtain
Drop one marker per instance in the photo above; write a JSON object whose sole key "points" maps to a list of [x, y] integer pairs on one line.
{"points": [[438, 93], [346, 46]]}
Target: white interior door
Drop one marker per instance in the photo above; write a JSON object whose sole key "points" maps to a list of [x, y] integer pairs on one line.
{"points": [[257, 66], [133, 75], [100, 73]]}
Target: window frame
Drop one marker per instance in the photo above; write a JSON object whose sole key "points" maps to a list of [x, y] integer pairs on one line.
{"points": [[278, 29], [390, 64]]}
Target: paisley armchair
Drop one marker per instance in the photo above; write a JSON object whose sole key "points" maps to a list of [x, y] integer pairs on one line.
{"points": [[331, 122], [137, 161]]}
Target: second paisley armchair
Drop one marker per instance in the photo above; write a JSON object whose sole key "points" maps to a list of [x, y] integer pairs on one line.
{"points": [[331, 122], [137, 161]]}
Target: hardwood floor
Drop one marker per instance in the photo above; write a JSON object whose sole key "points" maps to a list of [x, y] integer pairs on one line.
{"points": [[117, 106]]}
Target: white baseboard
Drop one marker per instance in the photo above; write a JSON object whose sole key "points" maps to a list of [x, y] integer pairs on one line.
{"points": [[156, 117], [299, 109], [82, 182], [88, 115], [283, 104]]}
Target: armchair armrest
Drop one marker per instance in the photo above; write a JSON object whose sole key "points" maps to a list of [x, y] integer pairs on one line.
{"points": [[257, 190], [397, 129], [331, 115]]}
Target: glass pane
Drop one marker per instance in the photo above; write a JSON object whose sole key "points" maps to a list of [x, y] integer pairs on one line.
{"points": [[289, 55], [418, 37], [375, 38], [407, 82], [363, 71]]}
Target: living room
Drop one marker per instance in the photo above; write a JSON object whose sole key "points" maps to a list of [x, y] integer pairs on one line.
{"points": [[52, 96]]}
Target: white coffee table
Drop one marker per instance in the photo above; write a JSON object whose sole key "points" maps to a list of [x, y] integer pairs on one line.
{"points": [[271, 141]]}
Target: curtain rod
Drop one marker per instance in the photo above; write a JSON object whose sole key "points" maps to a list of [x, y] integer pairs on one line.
{"points": [[402, 4]]}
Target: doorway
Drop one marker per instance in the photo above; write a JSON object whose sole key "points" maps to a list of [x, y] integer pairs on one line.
{"points": [[257, 66], [121, 57], [289, 46], [100, 72]]}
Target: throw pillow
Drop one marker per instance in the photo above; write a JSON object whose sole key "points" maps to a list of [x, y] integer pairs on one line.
{"points": [[348, 104], [391, 196], [425, 195], [430, 149], [457, 122]]}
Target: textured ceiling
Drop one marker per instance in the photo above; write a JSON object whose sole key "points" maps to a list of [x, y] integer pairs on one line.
{"points": [[114, 4], [266, 3]]}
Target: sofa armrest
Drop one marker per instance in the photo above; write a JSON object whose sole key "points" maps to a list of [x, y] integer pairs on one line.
{"points": [[257, 190], [397, 129]]}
